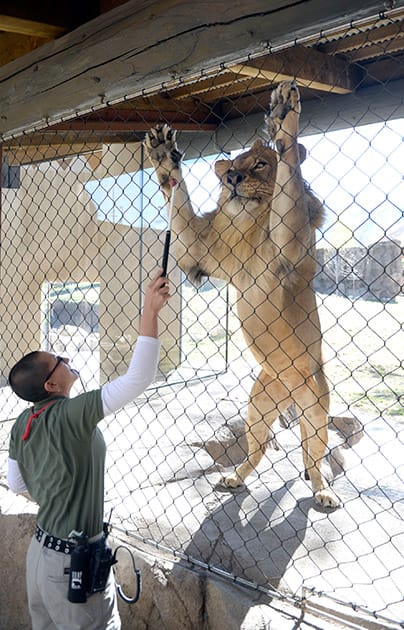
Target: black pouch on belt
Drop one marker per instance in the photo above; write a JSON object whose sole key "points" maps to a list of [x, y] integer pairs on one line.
{"points": [[79, 575], [101, 561]]}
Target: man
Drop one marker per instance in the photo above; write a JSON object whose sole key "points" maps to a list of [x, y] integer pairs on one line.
{"points": [[57, 455]]}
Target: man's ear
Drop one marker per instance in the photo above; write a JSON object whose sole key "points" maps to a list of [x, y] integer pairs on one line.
{"points": [[51, 387]]}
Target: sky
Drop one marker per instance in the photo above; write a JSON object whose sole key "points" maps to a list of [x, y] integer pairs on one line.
{"points": [[358, 173]]}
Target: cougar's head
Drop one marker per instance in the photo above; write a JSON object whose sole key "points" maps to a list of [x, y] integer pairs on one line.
{"points": [[248, 180]]}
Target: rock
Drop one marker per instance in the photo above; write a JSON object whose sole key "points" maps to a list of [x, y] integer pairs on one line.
{"points": [[350, 429], [228, 445]]}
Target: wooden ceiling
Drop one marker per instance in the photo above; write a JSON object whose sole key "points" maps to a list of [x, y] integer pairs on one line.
{"points": [[26, 25], [340, 62]]}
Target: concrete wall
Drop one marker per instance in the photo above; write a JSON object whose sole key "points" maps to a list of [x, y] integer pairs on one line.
{"points": [[50, 232], [175, 595]]}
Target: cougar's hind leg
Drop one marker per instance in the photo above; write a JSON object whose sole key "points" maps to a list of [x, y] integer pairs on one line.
{"points": [[268, 399], [323, 398], [312, 403]]}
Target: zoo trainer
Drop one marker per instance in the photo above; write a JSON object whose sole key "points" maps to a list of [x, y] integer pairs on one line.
{"points": [[57, 455]]}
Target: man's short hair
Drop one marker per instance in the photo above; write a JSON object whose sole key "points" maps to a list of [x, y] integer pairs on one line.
{"points": [[27, 378]]}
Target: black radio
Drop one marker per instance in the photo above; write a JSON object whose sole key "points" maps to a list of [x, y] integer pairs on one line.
{"points": [[101, 562]]}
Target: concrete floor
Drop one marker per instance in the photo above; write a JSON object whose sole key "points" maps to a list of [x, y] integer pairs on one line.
{"points": [[270, 532]]}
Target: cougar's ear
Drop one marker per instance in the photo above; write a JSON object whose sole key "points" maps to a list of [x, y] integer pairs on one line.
{"points": [[302, 153], [221, 167], [258, 144]]}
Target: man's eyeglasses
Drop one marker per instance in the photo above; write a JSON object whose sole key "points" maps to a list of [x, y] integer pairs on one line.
{"points": [[59, 360]]}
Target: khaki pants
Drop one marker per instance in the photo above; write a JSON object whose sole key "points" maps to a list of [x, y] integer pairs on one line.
{"points": [[47, 586]]}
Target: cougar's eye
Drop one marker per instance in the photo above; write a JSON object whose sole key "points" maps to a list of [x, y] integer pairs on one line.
{"points": [[259, 165]]}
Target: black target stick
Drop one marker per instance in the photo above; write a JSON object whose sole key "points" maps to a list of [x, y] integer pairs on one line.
{"points": [[165, 253], [168, 232]]}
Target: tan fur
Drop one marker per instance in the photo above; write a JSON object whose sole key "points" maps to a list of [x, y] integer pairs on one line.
{"points": [[261, 240]]}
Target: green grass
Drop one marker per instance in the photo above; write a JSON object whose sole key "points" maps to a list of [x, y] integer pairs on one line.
{"points": [[363, 347], [363, 343]]}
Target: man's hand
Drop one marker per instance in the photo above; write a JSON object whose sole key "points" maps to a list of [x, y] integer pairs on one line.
{"points": [[156, 296]]}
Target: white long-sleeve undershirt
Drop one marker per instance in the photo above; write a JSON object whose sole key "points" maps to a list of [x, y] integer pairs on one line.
{"points": [[115, 394], [140, 374], [14, 478]]}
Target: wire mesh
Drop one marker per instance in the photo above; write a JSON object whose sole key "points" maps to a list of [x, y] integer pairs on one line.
{"points": [[83, 224]]}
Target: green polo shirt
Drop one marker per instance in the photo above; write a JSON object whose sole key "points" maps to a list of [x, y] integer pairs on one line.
{"points": [[62, 463]]}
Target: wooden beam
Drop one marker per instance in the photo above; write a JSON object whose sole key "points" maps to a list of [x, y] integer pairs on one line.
{"points": [[241, 84], [360, 41], [219, 79], [144, 109], [11, 24], [144, 125], [75, 136], [377, 71], [309, 68], [222, 85], [64, 14], [330, 112], [377, 50], [94, 160], [13, 46], [45, 152], [144, 44]]}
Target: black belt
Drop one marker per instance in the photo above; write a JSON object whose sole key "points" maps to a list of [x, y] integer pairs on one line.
{"points": [[54, 543]]}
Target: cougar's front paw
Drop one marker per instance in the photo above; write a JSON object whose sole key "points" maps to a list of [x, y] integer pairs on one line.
{"points": [[284, 111], [161, 145]]}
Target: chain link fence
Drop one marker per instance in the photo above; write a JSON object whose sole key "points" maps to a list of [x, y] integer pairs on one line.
{"points": [[83, 227]]}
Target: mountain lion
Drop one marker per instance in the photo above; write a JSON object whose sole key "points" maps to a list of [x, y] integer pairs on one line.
{"points": [[261, 239]]}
